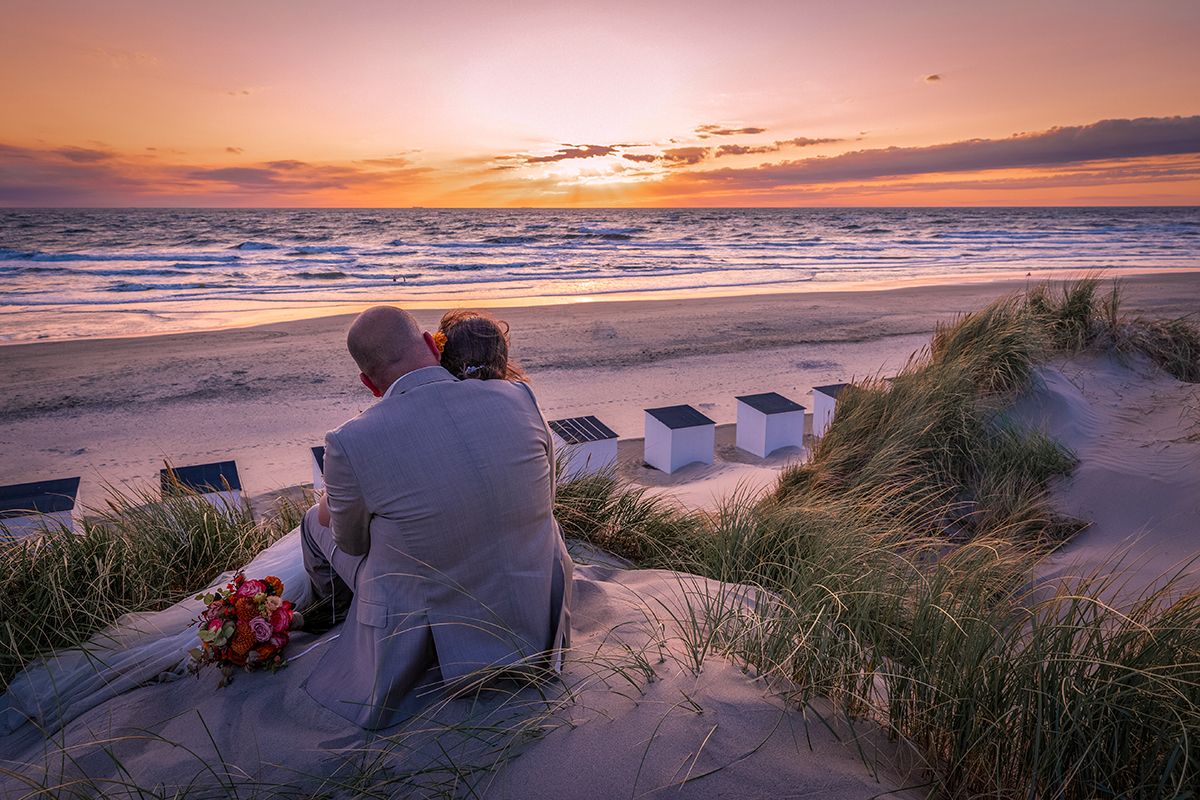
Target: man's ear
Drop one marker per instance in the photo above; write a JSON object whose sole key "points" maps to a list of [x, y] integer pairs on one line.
{"points": [[370, 384], [432, 345]]}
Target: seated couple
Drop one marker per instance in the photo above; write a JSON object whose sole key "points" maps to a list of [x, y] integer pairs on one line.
{"points": [[436, 535]]}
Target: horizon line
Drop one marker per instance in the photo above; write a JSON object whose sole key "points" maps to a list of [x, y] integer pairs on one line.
{"points": [[601, 208]]}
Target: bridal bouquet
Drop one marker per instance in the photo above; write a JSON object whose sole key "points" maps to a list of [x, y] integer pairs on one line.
{"points": [[245, 625]]}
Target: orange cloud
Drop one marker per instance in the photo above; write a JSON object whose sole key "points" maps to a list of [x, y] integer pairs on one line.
{"points": [[775, 147], [705, 131], [568, 152], [685, 155]]}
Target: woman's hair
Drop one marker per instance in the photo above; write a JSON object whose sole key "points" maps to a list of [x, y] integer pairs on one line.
{"points": [[477, 346]]}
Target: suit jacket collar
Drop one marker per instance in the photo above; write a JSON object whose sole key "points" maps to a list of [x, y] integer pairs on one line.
{"points": [[418, 377]]}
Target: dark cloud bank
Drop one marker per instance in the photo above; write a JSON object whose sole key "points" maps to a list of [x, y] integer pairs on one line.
{"points": [[90, 176], [1107, 140]]}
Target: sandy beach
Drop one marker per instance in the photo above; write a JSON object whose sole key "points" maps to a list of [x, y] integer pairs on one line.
{"points": [[112, 410]]}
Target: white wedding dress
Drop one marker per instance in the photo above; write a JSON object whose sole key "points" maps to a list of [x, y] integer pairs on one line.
{"points": [[136, 649]]}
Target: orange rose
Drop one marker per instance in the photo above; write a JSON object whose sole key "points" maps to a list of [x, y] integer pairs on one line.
{"points": [[275, 584]]}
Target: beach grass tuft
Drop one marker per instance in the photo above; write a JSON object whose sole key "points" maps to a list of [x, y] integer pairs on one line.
{"points": [[895, 574], [139, 552]]}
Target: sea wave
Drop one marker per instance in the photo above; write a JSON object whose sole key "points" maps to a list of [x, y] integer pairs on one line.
{"points": [[140, 260], [35, 255], [322, 250], [587, 231], [512, 239], [326, 275], [132, 286]]}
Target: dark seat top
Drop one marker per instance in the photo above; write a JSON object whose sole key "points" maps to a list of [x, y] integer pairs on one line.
{"points": [[215, 477], [832, 390], [676, 417], [770, 403], [580, 430], [40, 497]]}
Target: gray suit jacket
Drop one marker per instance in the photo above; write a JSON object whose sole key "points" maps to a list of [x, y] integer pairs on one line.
{"points": [[446, 488]]}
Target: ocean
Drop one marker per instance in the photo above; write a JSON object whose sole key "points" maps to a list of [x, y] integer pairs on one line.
{"points": [[68, 273]]}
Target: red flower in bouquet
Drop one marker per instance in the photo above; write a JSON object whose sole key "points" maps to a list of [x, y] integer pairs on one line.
{"points": [[246, 625], [252, 588], [281, 619]]}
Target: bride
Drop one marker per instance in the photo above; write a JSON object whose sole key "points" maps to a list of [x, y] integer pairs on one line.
{"points": [[145, 647]]}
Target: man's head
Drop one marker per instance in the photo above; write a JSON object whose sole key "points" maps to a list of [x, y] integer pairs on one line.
{"points": [[387, 343]]}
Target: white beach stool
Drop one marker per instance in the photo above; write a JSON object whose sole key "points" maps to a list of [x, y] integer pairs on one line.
{"points": [[218, 483], [588, 445], [26, 508], [318, 467], [824, 404], [768, 422], [677, 436]]}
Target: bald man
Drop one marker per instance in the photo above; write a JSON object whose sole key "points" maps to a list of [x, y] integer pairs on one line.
{"points": [[439, 531]]}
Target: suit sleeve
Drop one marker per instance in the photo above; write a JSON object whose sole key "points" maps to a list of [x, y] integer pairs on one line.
{"points": [[349, 517], [547, 439]]}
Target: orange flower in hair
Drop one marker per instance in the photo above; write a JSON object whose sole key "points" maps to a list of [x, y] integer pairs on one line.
{"points": [[439, 339]]}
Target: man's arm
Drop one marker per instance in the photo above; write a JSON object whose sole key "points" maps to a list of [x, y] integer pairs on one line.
{"points": [[349, 517], [547, 441]]}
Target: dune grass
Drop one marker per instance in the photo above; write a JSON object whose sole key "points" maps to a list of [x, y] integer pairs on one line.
{"points": [[890, 577], [139, 552], [897, 563]]}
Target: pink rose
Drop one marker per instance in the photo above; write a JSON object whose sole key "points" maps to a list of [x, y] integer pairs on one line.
{"points": [[261, 629], [251, 588], [279, 640], [215, 624], [281, 619]]}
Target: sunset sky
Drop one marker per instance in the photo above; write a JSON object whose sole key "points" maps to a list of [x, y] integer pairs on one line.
{"points": [[297, 103]]}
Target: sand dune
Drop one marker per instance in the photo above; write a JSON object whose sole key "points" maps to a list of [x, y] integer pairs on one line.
{"points": [[636, 714], [1136, 432]]}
